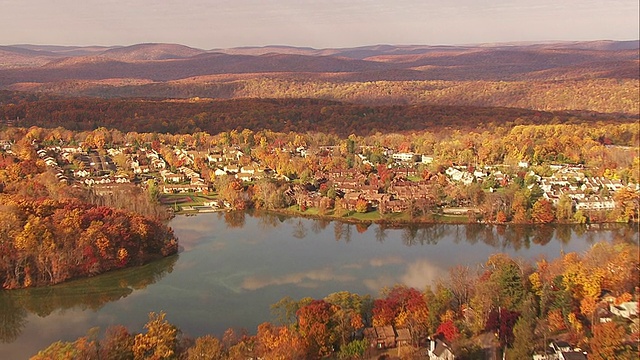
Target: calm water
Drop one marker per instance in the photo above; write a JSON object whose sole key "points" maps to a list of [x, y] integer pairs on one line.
{"points": [[234, 265]]}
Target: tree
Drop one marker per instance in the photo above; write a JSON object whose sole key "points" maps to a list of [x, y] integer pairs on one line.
{"points": [[543, 211], [354, 350], [629, 201], [449, 330], [206, 348], [462, 284], [278, 343], [501, 217], [606, 342], [349, 313], [502, 322], [159, 342], [316, 327], [506, 281], [117, 344], [564, 210], [362, 205], [519, 208], [523, 332], [285, 310]]}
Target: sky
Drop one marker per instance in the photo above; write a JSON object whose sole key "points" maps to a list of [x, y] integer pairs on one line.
{"points": [[211, 24]]}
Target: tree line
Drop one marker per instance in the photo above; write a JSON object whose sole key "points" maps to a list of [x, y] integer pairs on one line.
{"points": [[281, 115]]}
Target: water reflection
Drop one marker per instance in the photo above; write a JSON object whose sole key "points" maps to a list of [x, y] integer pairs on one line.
{"points": [[235, 265], [92, 293], [502, 237], [12, 318], [307, 279]]}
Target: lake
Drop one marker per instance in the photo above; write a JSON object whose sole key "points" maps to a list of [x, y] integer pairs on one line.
{"points": [[233, 266]]}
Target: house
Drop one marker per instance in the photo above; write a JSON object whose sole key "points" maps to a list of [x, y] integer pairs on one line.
{"points": [[386, 335], [547, 354], [249, 169], [244, 176], [459, 176], [5, 144], [403, 337], [174, 189], [232, 169], [80, 173], [427, 159], [440, 350], [595, 202], [607, 297], [168, 176], [215, 157], [382, 337], [405, 157], [625, 310], [561, 350], [393, 206], [572, 355]]}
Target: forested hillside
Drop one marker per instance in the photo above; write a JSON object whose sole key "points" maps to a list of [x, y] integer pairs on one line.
{"points": [[593, 76], [281, 115]]}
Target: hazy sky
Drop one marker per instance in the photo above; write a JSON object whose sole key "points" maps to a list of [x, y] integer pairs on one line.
{"points": [[320, 24]]}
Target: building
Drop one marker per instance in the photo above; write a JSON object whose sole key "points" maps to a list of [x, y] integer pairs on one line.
{"points": [[440, 350], [405, 157]]}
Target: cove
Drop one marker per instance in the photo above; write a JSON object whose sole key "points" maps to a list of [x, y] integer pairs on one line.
{"points": [[233, 266]]}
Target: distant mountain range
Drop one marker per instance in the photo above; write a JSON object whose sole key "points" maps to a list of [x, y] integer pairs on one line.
{"points": [[171, 70]]}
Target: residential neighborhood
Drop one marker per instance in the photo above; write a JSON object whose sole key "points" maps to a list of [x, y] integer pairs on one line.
{"points": [[397, 182]]}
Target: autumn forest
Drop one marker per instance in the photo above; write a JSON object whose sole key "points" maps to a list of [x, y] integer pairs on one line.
{"points": [[100, 148]]}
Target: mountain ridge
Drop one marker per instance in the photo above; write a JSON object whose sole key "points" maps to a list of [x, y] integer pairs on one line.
{"points": [[554, 75]]}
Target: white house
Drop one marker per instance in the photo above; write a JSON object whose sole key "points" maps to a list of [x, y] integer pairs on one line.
{"points": [[406, 157], [625, 310]]}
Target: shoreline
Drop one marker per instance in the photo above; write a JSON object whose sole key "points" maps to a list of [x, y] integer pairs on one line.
{"points": [[399, 220]]}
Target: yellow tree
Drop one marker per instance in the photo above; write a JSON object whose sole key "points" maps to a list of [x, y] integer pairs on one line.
{"points": [[206, 348], [628, 200], [159, 342], [278, 343]]}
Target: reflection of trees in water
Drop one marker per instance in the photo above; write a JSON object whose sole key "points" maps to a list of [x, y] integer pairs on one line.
{"points": [[347, 233], [91, 293], [422, 235], [544, 234], [319, 224], [627, 233], [409, 235], [381, 233], [299, 230], [361, 228], [234, 219], [563, 233], [504, 237], [338, 230], [474, 232], [268, 220], [513, 236], [516, 237], [342, 231], [12, 317]]}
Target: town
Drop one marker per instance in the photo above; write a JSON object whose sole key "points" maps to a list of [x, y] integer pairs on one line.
{"points": [[293, 172]]}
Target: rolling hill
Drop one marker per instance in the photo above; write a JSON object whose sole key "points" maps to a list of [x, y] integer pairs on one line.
{"points": [[597, 76]]}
